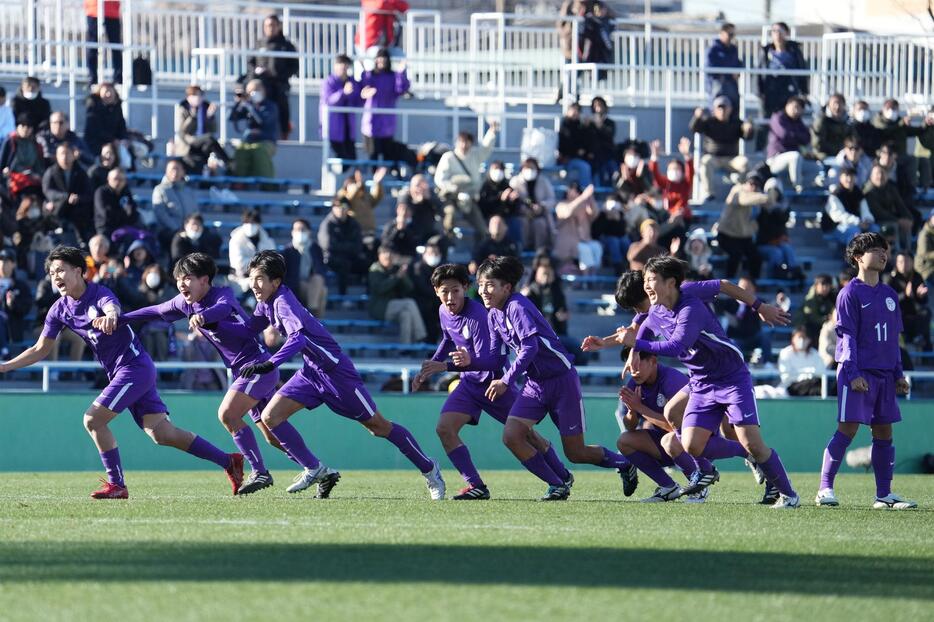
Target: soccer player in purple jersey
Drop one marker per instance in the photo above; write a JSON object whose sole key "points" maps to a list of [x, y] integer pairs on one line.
{"points": [[720, 383], [870, 375], [130, 371], [216, 314], [327, 377], [469, 343], [552, 384]]}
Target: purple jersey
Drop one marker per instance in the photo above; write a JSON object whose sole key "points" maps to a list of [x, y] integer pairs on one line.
{"points": [[226, 325], [302, 331], [667, 384], [470, 329], [705, 291], [869, 323], [690, 331], [524, 329], [111, 351]]}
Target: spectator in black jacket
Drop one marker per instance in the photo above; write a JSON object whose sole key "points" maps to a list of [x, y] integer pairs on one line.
{"points": [[104, 122], [721, 133], [275, 72], [601, 139], [573, 146], [781, 54], [106, 162], [495, 244], [21, 161], [888, 209], [342, 244], [745, 327], [195, 238], [498, 198], [68, 193], [426, 207], [58, 132], [545, 293], [398, 235], [609, 227], [422, 290], [912, 300], [869, 135], [30, 102], [305, 270], [15, 302], [830, 128], [114, 206]]}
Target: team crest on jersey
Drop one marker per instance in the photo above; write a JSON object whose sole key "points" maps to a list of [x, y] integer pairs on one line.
{"points": [[466, 332], [890, 304], [660, 401], [92, 312]]}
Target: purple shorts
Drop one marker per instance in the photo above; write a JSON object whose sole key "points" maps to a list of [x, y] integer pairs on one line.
{"points": [[341, 389], [470, 398], [876, 406], [560, 397], [133, 386], [709, 403], [261, 387]]}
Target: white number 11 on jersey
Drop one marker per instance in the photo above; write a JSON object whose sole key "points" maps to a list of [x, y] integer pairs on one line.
{"points": [[882, 331]]}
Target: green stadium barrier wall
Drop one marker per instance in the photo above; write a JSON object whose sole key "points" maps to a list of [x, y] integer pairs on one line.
{"points": [[44, 432]]}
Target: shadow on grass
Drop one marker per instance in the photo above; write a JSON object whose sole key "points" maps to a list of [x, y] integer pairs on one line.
{"points": [[506, 565]]}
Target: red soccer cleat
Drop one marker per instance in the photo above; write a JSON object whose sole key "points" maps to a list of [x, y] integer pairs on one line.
{"points": [[110, 491], [234, 471]]}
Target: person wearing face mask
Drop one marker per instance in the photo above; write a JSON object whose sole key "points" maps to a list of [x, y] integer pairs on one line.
{"points": [[106, 162], [15, 302], [196, 130], [305, 269], [30, 102], [245, 241], [195, 238], [573, 147], [68, 193], [256, 117], [609, 228], [676, 186], [498, 198], [458, 178], [172, 200], [397, 234], [536, 198], [364, 199], [869, 136], [104, 121], [830, 128], [341, 242], [114, 206], [634, 182], [340, 90], [895, 129], [779, 54], [800, 366], [21, 160], [422, 290], [153, 289]]}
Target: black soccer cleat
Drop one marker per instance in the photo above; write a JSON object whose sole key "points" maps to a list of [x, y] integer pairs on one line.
{"points": [[255, 482], [630, 477], [327, 483], [770, 496], [473, 493], [557, 493], [700, 480]]}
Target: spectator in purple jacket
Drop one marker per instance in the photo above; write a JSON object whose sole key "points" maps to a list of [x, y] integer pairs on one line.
{"points": [[788, 138], [381, 88], [340, 89]]}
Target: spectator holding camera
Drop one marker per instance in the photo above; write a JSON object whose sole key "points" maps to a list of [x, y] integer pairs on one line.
{"points": [[536, 198], [258, 116], [196, 130], [458, 178]]}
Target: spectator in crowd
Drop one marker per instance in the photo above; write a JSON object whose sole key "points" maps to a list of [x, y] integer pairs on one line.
{"points": [[30, 102], [195, 132], [830, 128], [275, 72], [898, 174], [737, 227], [422, 290], [775, 247], [852, 156], [426, 208], [912, 300], [397, 234], [15, 302], [245, 241], [138, 257], [609, 228], [818, 303], [723, 54], [495, 244], [498, 198], [646, 247], [601, 140], [60, 132], [21, 160], [781, 54], [305, 271], [573, 242], [925, 250], [695, 252], [896, 128], [745, 327], [259, 116], [596, 36], [7, 120], [195, 238], [341, 242], [888, 209], [676, 187], [536, 196], [458, 178], [381, 22], [827, 342], [634, 183], [546, 294], [98, 257], [788, 140], [340, 90], [924, 152], [573, 146], [114, 206], [800, 365], [390, 299], [721, 132], [869, 136], [34, 230], [112, 28], [103, 120], [363, 201], [381, 88], [107, 160], [68, 193], [153, 289], [172, 200], [847, 207]]}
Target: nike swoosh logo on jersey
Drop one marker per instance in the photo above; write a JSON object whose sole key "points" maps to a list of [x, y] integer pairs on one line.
{"points": [[866, 305]]}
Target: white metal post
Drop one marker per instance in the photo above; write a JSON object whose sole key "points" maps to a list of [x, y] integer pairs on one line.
{"points": [[302, 96], [100, 37], [668, 111]]}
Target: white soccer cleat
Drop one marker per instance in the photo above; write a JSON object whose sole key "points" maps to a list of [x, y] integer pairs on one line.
{"points": [[307, 478], [826, 498], [893, 502], [698, 497], [435, 482], [756, 470], [664, 493], [786, 502]]}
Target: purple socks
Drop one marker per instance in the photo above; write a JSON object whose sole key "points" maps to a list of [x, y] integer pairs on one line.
{"points": [[294, 446], [460, 458], [883, 465], [687, 463], [650, 466], [403, 439], [540, 469], [245, 441], [775, 472], [111, 460], [551, 457], [201, 448], [613, 460], [833, 456], [718, 448]]}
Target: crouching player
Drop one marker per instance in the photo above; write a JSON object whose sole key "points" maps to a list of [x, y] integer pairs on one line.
{"points": [[869, 322]]}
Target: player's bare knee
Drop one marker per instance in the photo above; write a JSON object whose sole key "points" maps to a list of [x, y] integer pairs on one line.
{"points": [[882, 432], [227, 418], [270, 419], [378, 425], [446, 433]]}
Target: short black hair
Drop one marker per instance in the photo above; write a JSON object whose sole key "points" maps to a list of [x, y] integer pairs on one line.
{"points": [[195, 264], [629, 290], [852, 140], [467, 136], [270, 263], [196, 216], [598, 99], [727, 26], [69, 254], [862, 243], [251, 215], [783, 26], [506, 269], [343, 59], [302, 221], [450, 272], [667, 268], [2, 92], [824, 278]]}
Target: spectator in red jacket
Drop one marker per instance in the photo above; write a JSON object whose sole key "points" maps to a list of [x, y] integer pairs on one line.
{"points": [[676, 186], [379, 24], [112, 28]]}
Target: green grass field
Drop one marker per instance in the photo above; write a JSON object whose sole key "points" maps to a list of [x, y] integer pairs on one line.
{"points": [[181, 549]]}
